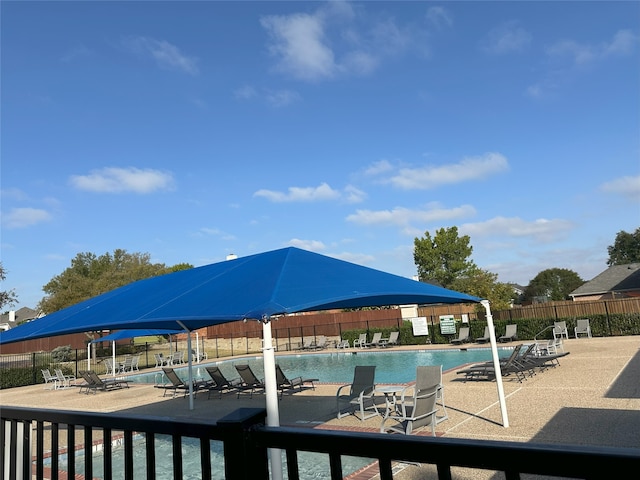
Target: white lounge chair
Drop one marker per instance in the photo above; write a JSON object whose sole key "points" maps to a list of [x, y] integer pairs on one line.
{"points": [[392, 340], [50, 381], [361, 341]]}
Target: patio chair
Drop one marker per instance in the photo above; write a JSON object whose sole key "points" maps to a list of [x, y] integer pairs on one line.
{"points": [[220, 383], [160, 359], [560, 330], [108, 365], [50, 381], [510, 334], [198, 358], [285, 383], [550, 347], [177, 383], [343, 344], [176, 358], [321, 343], [126, 365], [417, 410], [375, 340], [354, 397], [250, 382], [432, 375], [582, 328], [64, 381], [307, 344], [361, 341], [485, 336], [392, 340], [463, 336], [135, 360]]}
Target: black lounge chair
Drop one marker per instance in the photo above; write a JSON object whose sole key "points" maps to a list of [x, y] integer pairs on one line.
{"points": [[93, 382], [485, 337], [250, 382], [486, 370], [177, 383], [291, 384], [220, 383]]}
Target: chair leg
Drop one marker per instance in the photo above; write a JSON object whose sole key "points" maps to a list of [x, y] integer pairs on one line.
{"points": [[445, 416]]}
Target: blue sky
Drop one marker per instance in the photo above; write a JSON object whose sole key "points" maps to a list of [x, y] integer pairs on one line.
{"points": [[192, 130]]}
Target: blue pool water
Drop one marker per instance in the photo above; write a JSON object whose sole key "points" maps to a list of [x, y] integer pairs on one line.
{"points": [[311, 465], [337, 367]]}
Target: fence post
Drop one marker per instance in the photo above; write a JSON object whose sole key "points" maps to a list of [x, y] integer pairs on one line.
{"points": [[242, 458], [34, 368]]}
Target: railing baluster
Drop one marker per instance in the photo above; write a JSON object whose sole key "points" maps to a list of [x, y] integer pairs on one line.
{"points": [[150, 447], [39, 449], [128, 455], [177, 456], [106, 452], [55, 453], [88, 452], [386, 473], [335, 464], [205, 458], [292, 464], [71, 451], [444, 471]]}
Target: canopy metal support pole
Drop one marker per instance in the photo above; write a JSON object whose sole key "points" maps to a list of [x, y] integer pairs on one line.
{"points": [[496, 364], [271, 394], [189, 365], [113, 358]]}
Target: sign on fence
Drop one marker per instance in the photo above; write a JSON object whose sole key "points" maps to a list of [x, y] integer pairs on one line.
{"points": [[447, 325], [420, 326]]}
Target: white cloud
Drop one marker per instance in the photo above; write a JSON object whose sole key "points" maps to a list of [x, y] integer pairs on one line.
{"points": [[215, 232], [623, 43], [472, 168], [323, 192], [25, 217], [540, 230], [405, 217], [246, 92], [507, 38], [282, 98], [165, 54], [298, 41], [626, 186], [311, 245], [439, 17], [376, 168], [120, 180]]}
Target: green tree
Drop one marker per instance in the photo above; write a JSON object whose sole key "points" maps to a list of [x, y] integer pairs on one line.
{"points": [[484, 284], [553, 284], [90, 275], [7, 297], [625, 248], [443, 258]]}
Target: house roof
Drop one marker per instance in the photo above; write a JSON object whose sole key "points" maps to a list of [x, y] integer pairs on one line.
{"points": [[22, 314], [618, 278]]}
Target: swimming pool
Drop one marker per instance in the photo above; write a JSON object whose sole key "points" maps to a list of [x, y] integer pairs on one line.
{"points": [[337, 367], [311, 464]]}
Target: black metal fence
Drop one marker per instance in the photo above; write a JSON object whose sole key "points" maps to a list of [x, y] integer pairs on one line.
{"points": [[51, 433]]}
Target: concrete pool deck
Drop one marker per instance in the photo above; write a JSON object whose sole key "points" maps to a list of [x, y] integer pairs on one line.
{"points": [[591, 398]]}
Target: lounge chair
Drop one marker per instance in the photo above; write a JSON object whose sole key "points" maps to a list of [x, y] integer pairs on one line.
{"points": [[510, 334], [64, 381], [463, 336], [308, 344], [560, 330], [361, 341], [250, 382], [220, 383], [285, 383], [343, 344], [416, 410], [93, 382], [356, 395], [319, 344], [485, 336], [178, 384], [392, 340], [50, 381], [375, 340], [582, 328], [486, 370]]}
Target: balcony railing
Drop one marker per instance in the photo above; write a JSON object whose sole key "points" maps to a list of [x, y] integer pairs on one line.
{"points": [[32, 439]]}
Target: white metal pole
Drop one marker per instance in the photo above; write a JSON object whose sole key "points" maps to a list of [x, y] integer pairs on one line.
{"points": [[113, 358], [496, 363], [197, 348], [89, 356], [189, 365], [271, 394]]}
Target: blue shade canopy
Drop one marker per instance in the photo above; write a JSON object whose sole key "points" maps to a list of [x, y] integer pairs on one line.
{"points": [[122, 334], [258, 286]]}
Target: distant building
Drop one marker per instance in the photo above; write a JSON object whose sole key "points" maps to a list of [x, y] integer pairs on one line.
{"points": [[14, 318], [619, 281]]}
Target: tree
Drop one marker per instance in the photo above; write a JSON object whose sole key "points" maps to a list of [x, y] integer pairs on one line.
{"points": [[625, 249], [443, 258], [90, 275], [553, 284], [7, 297], [484, 284]]}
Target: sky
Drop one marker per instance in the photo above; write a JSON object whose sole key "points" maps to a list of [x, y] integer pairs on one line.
{"points": [[195, 130]]}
